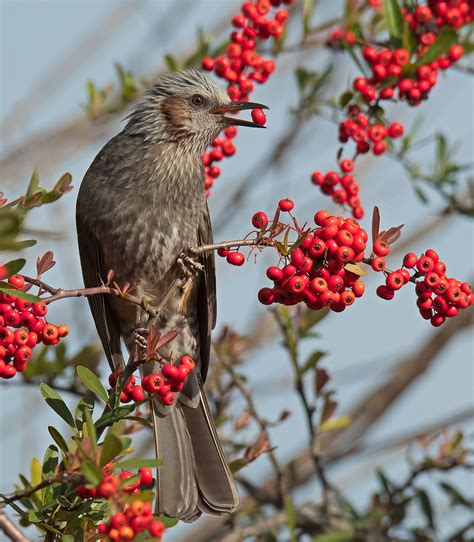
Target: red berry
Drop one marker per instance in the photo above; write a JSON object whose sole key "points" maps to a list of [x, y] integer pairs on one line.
{"points": [[236, 258], [17, 280], [394, 281], [258, 116], [347, 165], [138, 393], [381, 248], [208, 63], [169, 399], [157, 529], [40, 308], [260, 220], [395, 130], [383, 292], [146, 476], [410, 260], [378, 264], [170, 371], [286, 205], [188, 362]]}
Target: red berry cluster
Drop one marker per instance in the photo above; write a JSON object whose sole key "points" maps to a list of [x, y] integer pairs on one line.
{"points": [[342, 187], [388, 75], [133, 519], [125, 526], [437, 14], [241, 66], [314, 273], [340, 37], [112, 485], [165, 384], [366, 135], [439, 297], [22, 326]]}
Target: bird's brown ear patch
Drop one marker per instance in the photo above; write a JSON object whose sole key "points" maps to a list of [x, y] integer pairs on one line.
{"points": [[175, 110]]}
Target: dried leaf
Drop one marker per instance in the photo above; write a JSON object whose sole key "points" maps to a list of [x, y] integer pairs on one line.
{"points": [[328, 409], [391, 235], [243, 420], [284, 415], [166, 338], [110, 276], [321, 378], [353, 268], [375, 224], [45, 263], [259, 447]]}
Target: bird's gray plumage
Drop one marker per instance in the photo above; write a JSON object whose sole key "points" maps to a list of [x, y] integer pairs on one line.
{"points": [[140, 205]]}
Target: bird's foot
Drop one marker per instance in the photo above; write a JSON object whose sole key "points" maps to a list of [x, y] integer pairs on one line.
{"points": [[189, 265], [140, 335]]}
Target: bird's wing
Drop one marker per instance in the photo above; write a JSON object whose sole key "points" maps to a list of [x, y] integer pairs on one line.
{"points": [[207, 307], [94, 273]]}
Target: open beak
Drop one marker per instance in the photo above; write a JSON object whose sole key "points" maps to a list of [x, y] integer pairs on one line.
{"points": [[235, 107]]}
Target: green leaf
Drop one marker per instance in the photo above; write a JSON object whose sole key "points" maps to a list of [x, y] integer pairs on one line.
{"points": [[138, 464], [36, 478], [308, 7], [110, 449], [33, 185], [50, 460], [290, 517], [426, 507], [309, 319], [421, 194], [440, 46], [335, 423], [456, 498], [345, 98], [14, 266], [394, 18], [58, 438], [409, 38], [10, 290], [171, 63], [238, 464], [56, 402], [114, 416], [91, 382], [11, 245], [91, 433], [92, 473], [384, 481], [312, 361], [334, 536], [167, 522], [85, 404], [302, 77]]}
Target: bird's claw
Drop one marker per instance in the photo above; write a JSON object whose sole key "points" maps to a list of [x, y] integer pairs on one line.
{"points": [[189, 265], [140, 335]]}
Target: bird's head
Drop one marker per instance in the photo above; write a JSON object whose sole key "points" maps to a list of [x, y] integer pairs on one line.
{"points": [[187, 107]]}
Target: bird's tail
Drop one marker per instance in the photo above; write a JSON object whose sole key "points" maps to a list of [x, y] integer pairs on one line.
{"points": [[195, 476]]}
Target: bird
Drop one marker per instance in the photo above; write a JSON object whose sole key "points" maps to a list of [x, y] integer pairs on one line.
{"points": [[140, 206]]}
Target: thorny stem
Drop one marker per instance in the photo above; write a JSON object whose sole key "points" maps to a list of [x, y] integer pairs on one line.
{"points": [[263, 424], [291, 344], [63, 477]]}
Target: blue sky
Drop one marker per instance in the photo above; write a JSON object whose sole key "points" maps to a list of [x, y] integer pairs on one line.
{"points": [[37, 35]]}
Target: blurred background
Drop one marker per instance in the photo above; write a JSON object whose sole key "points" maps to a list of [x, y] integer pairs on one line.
{"points": [[50, 49]]}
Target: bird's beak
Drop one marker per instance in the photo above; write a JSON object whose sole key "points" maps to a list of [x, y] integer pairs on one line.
{"points": [[235, 107]]}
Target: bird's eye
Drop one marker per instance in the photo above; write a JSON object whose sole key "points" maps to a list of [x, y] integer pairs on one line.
{"points": [[197, 99]]}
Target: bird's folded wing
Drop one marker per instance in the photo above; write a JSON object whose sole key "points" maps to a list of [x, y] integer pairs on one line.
{"points": [[207, 307], [93, 274]]}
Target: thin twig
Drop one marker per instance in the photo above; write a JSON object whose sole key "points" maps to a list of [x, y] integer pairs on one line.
{"points": [[10, 529]]}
